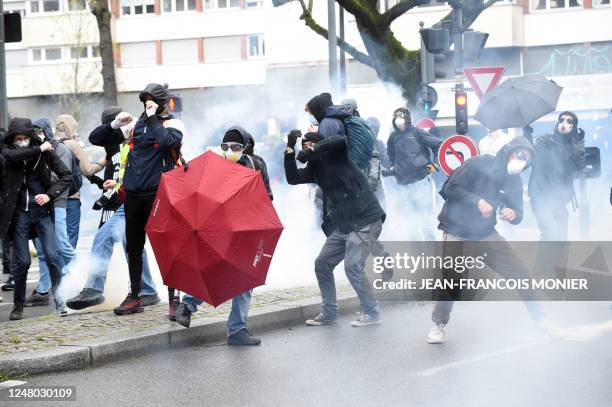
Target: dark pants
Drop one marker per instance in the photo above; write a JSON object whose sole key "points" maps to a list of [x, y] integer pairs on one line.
{"points": [[501, 258], [552, 218], [137, 209], [6, 255], [22, 224]]}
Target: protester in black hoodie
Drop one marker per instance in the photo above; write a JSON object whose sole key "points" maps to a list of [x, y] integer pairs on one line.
{"points": [[352, 224], [551, 187], [473, 194], [412, 152], [154, 149], [327, 117], [27, 209]]}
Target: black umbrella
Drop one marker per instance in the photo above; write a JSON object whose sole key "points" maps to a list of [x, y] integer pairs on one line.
{"points": [[517, 102]]}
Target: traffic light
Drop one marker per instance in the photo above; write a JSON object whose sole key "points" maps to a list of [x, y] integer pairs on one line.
{"points": [[175, 104], [434, 43], [461, 112]]}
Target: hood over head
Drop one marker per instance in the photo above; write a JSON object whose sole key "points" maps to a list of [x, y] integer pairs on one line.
{"points": [[237, 134], [20, 125], [318, 104], [159, 93], [374, 124], [109, 113], [519, 142], [574, 131], [407, 117], [66, 127], [45, 125]]}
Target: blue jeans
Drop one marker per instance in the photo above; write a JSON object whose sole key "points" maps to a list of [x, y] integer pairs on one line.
{"points": [[65, 251], [237, 319], [21, 225], [354, 248], [73, 220], [113, 231]]}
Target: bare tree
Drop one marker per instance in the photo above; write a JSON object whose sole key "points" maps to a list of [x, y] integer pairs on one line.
{"points": [[384, 52], [99, 8]]}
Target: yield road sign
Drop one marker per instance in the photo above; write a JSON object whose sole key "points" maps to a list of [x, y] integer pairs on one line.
{"points": [[483, 78], [454, 151]]}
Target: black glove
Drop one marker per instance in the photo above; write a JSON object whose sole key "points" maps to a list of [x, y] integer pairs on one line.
{"points": [[304, 154], [292, 138], [579, 135]]}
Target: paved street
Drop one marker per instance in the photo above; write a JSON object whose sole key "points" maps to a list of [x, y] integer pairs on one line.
{"points": [[494, 356]]}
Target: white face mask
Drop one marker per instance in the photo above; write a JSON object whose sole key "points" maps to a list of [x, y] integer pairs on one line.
{"points": [[400, 123], [22, 144], [313, 120], [232, 155], [515, 166]]}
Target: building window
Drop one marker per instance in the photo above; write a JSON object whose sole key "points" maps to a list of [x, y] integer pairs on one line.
{"points": [[180, 52], [555, 4], [210, 4], [55, 6], [46, 54], [77, 5], [137, 7], [256, 46], [254, 3], [218, 49], [138, 54], [170, 6]]}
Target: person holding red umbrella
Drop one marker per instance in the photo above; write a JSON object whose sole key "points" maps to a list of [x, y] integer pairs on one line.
{"points": [[352, 222], [237, 146]]}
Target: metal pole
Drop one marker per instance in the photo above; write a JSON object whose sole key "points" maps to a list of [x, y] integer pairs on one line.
{"points": [[333, 44], [458, 33], [342, 53], [3, 104]]}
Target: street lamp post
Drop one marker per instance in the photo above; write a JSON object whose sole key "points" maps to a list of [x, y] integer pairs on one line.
{"points": [[333, 44]]}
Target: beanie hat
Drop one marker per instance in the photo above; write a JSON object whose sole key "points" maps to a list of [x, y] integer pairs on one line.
{"points": [[233, 136], [109, 114]]}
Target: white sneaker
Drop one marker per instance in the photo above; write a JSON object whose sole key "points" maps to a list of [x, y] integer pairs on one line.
{"points": [[436, 335]]}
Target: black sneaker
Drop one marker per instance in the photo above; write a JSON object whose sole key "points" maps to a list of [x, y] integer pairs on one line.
{"points": [[9, 284], [37, 299], [183, 315], [148, 300], [129, 306], [16, 313], [88, 297], [243, 338]]}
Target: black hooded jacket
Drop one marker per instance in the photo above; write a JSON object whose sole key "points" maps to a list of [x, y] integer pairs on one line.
{"points": [[29, 162], [330, 117], [410, 151], [251, 160], [557, 158], [353, 205], [482, 177]]}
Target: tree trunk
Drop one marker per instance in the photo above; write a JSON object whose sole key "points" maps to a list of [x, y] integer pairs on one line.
{"points": [[100, 10]]}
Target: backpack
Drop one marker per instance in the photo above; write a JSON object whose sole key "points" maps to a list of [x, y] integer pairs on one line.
{"points": [[76, 182], [360, 141]]}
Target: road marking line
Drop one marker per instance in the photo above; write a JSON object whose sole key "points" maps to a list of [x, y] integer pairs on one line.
{"points": [[437, 369]]}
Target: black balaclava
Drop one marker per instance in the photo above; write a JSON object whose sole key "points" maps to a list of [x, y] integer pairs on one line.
{"points": [[318, 104], [572, 134], [158, 93]]}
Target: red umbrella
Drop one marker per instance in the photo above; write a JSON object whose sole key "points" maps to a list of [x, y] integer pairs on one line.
{"points": [[213, 229]]}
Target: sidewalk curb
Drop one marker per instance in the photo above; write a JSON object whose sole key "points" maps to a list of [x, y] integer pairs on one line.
{"points": [[94, 352]]}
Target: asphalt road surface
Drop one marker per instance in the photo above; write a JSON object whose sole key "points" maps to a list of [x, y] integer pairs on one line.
{"points": [[494, 356]]}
